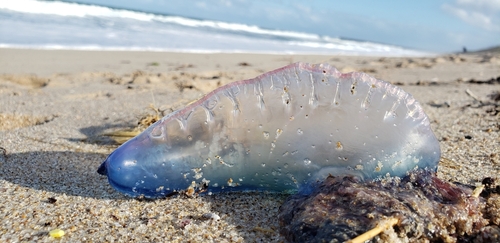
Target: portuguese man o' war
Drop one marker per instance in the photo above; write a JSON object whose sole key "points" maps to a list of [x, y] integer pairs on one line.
{"points": [[283, 130]]}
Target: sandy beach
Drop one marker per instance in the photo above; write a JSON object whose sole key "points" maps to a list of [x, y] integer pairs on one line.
{"points": [[55, 104]]}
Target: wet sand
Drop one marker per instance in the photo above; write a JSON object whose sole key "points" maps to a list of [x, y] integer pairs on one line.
{"points": [[55, 104]]}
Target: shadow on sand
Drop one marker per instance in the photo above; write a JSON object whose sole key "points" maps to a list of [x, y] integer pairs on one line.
{"points": [[71, 173]]}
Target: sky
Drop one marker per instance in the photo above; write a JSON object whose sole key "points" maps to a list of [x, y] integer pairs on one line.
{"points": [[428, 25]]}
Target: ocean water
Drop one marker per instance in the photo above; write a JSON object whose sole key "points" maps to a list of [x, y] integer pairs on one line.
{"points": [[65, 25]]}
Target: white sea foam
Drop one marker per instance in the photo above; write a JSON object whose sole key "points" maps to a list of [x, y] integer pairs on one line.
{"points": [[80, 10], [63, 25], [70, 9]]}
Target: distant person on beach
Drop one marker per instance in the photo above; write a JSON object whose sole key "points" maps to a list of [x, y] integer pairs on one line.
{"points": [[464, 49]]}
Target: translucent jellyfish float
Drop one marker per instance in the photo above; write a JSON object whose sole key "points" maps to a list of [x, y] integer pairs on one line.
{"points": [[284, 130]]}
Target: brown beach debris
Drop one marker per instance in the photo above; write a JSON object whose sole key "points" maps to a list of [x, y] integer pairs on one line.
{"points": [[490, 103], [368, 70], [244, 64], [182, 85], [492, 80], [444, 104], [121, 136], [417, 208], [495, 96]]}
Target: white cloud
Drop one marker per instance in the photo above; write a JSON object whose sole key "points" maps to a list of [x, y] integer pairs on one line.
{"points": [[484, 4], [481, 13]]}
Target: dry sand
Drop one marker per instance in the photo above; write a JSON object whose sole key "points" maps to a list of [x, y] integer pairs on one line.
{"points": [[54, 104]]}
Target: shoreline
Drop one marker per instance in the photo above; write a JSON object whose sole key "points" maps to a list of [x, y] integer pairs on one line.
{"points": [[202, 51]]}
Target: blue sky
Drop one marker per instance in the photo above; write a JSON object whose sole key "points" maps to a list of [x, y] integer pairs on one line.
{"points": [[431, 25]]}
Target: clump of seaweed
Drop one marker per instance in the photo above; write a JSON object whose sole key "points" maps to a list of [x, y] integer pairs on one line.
{"points": [[417, 208], [121, 136]]}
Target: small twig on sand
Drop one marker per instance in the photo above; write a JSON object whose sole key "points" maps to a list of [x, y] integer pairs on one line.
{"points": [[381, 226], [468, 92]]}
